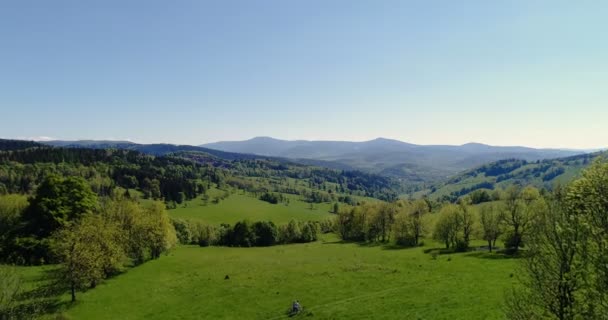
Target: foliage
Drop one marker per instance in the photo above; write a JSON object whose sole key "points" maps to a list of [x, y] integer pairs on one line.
{"points": [[266, 233], [454, 226], [271, 197], [79, 249], [57, 203], [519, 211], [11, 209], [491, 219], [167, 177], [564, 272]]}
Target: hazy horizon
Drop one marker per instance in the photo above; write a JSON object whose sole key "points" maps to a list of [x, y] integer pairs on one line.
{"points": [[48, 139], [517, 73]]}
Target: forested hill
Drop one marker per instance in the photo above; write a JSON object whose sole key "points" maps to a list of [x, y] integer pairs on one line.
{"points": [[7, 145], [279, 175], [183, 175], [501, 174], [158, 149], [169, 178]]}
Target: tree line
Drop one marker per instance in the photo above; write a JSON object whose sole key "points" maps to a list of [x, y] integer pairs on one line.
{"points": [[168, 178], [91, 238], [249, 234]]}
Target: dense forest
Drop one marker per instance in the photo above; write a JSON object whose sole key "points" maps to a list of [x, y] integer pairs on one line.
{"points": [[180, 176]]}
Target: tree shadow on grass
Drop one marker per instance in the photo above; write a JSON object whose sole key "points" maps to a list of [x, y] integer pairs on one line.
{"points": [[496, 255], [439, 250], [365, 244], [43, 299], [335, 242], [394, 246]]}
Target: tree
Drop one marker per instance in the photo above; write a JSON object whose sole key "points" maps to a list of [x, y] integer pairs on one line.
{"points": [[588, 197], [160, 232], [57, 203], [418, 210], [479, 196], [491, 218], [130, 220], [293, 232], [555, 267], [205, 235], [309, 232], [467, 222], [266, 233], [566, 266], [336, 208], [518, 214], [79, 251], [11, 210], [403, 229], [352, 224], [182, 231], [143, 233], [448, 225], [384, 219], [243, 235]]}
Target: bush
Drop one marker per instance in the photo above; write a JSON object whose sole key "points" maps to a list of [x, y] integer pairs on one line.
{"points": [[309, 232], [182, 230], [266, 233], [243, 234], [270, 198], [327, 226], [204, 235]]}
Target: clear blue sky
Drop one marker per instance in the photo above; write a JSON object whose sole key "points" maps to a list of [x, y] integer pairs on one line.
{"points": [[524, 72]]}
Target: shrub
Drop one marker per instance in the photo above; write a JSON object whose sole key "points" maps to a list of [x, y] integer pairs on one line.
{"points": [[266, 233], [204, 235], [270, 198], [182, 230]]}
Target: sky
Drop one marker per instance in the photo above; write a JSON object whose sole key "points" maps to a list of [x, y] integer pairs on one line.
{"points": [[531, 73]]}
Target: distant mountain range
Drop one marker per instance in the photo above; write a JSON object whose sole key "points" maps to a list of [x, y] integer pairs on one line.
{"points": [[414, 165], [411, 162]]}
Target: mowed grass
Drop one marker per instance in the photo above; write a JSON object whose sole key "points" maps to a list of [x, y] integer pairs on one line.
{"points": [[239, 206], [332, 280]]}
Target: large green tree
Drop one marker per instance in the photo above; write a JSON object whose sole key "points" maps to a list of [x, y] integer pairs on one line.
{"points": [[565, 270], [56, 204]]}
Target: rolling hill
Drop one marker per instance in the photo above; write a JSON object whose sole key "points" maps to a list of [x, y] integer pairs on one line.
{"points": [[501, 174]]}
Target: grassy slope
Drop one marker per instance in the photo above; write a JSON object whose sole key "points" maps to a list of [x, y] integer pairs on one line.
{"points": [[332, 280], [524, 175], [238, 207]]}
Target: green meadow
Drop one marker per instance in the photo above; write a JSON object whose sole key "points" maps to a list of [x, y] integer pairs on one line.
{"points": [[239, 206], [331, 279]]}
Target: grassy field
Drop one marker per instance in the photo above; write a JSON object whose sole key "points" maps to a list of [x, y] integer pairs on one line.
{"points": [[239, 206], [332, 280]]}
